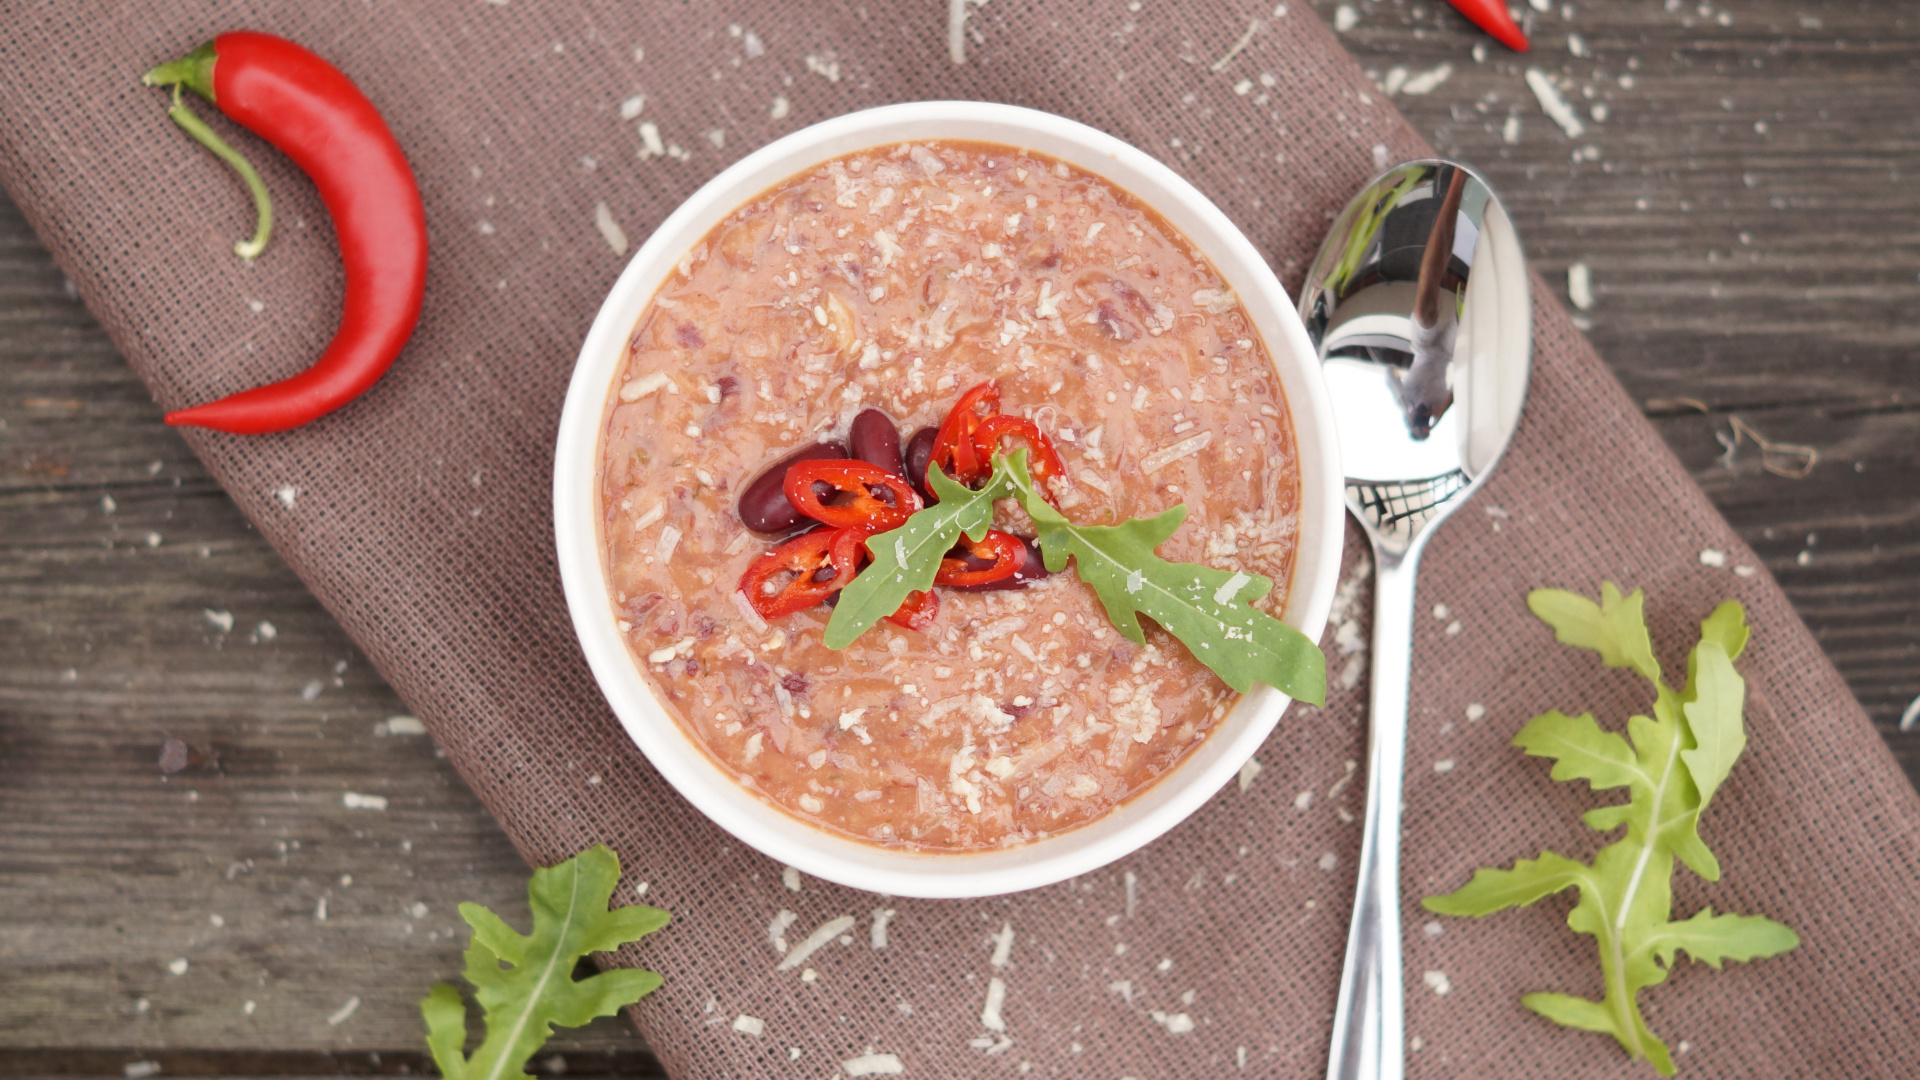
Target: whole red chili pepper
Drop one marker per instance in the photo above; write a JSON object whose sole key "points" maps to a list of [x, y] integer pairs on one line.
{"points": [[863, 481], [1492, 16], [314, 114]]}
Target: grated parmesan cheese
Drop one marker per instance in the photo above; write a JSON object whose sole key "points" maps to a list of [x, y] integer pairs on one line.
{"points": [[1230, 588], [990, 1017], [822, 934], [1167, 455], [346, 1010], [1247, 773], [1002, 947], [872, 1064], [1427, 81], [777, 929], [610, 230], [1215, 301], [1580, 287], [749, 1025], [1553, 104], [745, 607], [1048, 306], [669, 539], [651, 145], [877, 934], [635, 389]]}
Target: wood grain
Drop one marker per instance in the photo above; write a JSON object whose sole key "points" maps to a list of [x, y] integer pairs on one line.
{"points": [[1749, 225]]}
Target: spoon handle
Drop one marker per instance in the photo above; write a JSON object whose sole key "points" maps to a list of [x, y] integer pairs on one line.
{"points": [[1369, 1023]]}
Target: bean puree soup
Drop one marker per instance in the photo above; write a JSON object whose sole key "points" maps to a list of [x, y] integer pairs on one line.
{"points": [[895, 279]]}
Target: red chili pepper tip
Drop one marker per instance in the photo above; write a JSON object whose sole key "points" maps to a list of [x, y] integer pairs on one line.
{"points": [[1493, 17]]}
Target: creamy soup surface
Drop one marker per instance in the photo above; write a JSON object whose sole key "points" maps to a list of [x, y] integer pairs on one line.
{"points": [[897, 278]]}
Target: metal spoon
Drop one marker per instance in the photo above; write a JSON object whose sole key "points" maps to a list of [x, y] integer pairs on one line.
{"points": [[1420, 308]]}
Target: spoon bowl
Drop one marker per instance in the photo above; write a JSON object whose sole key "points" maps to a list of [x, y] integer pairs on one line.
{"points": [[1419, 307]]}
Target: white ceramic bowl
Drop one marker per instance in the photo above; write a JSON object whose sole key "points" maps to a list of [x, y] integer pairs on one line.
{"points": [[682, 760]]}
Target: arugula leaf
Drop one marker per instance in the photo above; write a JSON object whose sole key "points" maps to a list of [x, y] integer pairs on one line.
{"points": [[1206, 609], [1677, 759], [906, 559], [1615, 627], [524, 1001]]}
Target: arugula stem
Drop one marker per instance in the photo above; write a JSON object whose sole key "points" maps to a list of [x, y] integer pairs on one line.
{"points": [[1646, 846], [1613, 967], [500, 1064]]}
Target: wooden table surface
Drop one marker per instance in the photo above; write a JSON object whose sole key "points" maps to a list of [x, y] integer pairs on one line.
{"points": [[1747, 196]]}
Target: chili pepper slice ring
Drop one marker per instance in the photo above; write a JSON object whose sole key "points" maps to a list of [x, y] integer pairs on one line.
{"points": [[805, 558], [1045, 462], [953, 447], [866, 496], [1004, 549]]}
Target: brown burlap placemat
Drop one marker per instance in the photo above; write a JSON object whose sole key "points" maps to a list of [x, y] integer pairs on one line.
{"points": [[419, 516]]}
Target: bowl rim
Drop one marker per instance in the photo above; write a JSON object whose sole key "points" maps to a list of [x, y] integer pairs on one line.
{"points": [[685, 763]]}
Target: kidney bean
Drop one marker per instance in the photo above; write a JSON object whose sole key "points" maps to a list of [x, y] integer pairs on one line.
{"points": [[873, 438], [919, 454], [763, 506], [1030, 571]]}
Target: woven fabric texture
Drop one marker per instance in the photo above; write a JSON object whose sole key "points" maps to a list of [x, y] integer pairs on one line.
{"points": [[420, 516]]}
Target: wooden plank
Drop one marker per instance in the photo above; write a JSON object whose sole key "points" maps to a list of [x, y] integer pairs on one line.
{"points": [[110, 869]]}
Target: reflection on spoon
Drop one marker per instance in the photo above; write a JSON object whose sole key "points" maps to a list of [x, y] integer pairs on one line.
{"points": [[1423, 389]]}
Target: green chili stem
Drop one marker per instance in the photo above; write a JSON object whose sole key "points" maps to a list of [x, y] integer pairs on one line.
{"points": [[248, 249]]}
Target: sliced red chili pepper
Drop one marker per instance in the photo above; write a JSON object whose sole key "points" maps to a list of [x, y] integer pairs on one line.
{"points": [[953, 447], [850, 548], [919, 611], [805, 558], [1044, 461], [314, 114], [874, 499], [1005, 549]]}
